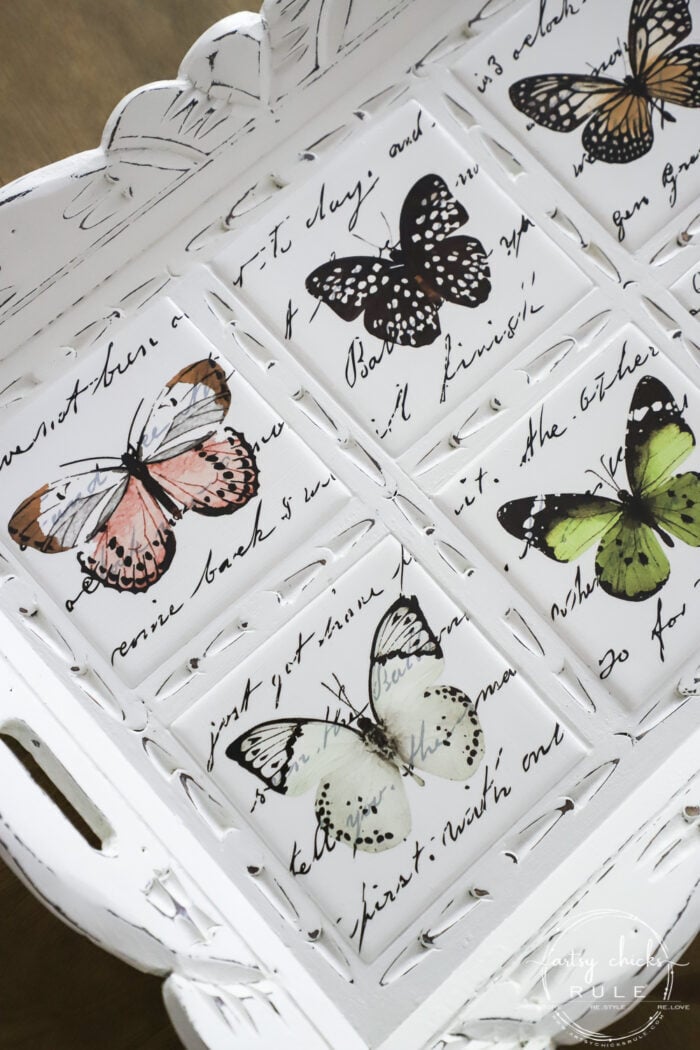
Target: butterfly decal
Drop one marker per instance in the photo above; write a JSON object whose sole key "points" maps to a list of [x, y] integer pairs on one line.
{"points": [[401, 295], [618, 113], [358, 770], [630, 561], [120, 515]]}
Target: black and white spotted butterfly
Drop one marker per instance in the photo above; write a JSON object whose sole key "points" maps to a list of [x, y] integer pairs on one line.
{"points": [[618, 113], [357, 770], [401, 295]]}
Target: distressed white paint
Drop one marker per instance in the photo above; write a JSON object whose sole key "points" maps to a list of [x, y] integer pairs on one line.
{"points": [[181, 887]]}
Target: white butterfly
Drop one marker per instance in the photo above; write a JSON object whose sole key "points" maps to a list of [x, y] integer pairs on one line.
{"points": [[360, 798]]}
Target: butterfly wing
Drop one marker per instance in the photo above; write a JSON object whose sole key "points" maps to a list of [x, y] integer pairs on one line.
{"points": [[676, 77], [403, 312], [364, 804], [562, 101], [619, 128], [216, 476], [186, 412], [67, 513], [655, 27], [396, 308], [404, 650], [657, 440], [453, 268], [127, 542], [630, 562], [197, 468], [135, 544], [346, 285], [435, 728], [291, 755], [676, 507], [457, 269], [439, 732], [620, 131], [360, 798], [430, 213], [562, 526]]}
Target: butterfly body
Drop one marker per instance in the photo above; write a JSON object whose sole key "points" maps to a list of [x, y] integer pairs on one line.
{"points": [[630, 563], [376, 737], [637, 87], [428, 291], [400, 295], [638, 511], [135, 467], [121, 517], [617, 113], [358, 769]]}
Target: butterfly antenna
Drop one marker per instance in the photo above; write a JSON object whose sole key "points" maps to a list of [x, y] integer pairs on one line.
{"points": [[406, 559], [133, 421], [370, 243], [410, 772], [227, 375], [603, 480], [625, 56], [340, 693], [610, 467], [390, 238], [88, 459]]}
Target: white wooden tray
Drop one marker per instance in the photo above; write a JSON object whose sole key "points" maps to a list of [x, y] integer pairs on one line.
{"points": [[364, 715]]}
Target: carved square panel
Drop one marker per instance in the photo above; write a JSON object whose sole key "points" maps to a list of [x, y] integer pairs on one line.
{"points": [[219, 488], [294, 738], [342, 274], [588, 506], [561, 77]]}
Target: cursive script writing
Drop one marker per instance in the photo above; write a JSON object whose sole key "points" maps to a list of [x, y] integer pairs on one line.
{"points": [[355, 197], [577, 594], [538, 435], [517, 320], [214, 567], [661, 626], [620, 216], [671, 174], [545, 25]]}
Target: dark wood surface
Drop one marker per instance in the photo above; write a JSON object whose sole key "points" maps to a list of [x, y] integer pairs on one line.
{"points": [[58, 991], [64, 65]]}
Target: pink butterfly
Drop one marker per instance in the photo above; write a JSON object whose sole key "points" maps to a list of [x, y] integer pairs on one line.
{"points": [[121, 516]]}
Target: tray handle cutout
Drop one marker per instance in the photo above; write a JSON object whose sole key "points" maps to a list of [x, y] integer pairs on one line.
{"points": [[51, 777]]}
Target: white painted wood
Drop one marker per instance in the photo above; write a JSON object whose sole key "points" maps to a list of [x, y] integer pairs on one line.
{"points": [[109, 246]]}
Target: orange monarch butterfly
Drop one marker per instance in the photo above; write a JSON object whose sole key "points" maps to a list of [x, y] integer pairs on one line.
{"points": [[619, 112]]}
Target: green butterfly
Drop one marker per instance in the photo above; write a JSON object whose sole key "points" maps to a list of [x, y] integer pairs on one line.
{"points": [[630, 562]]}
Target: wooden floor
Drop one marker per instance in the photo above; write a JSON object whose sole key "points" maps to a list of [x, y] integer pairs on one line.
{"points": [[64, 65]]}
